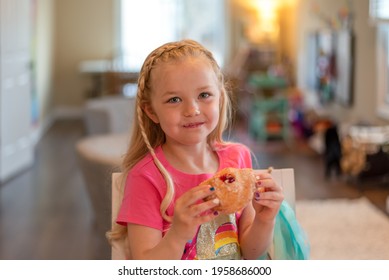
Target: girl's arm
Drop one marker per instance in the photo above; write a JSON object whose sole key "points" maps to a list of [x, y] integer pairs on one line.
{"points": [[147, 243], [256, 225], [189, 213]]}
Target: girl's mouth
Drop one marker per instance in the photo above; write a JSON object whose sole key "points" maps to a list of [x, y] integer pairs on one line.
{"points": [[193, 125]]}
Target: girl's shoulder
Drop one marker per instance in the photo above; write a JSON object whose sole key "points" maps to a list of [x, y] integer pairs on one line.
{"points": [[234, 154], [145, 165], [145, 172], [231, 147]]}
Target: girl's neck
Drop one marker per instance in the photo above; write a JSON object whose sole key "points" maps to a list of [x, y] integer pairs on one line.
{"points": [[197, 159]]}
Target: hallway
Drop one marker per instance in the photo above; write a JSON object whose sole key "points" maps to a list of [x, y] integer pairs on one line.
{"points": [[45, 212]]}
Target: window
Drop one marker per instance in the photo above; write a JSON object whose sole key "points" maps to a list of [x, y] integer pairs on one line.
{"points": [[379, 14], [379, 10], [146, 24]]}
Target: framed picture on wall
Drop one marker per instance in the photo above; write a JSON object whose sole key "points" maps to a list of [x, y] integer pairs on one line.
{"points": [[321, 69], [331, 63]]}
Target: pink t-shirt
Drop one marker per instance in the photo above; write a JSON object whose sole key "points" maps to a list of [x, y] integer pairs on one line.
{"points": [[145, 186]]}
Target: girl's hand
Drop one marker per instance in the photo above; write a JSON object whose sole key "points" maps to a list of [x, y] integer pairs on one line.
{"points": [[267, 198], [191, 211]]}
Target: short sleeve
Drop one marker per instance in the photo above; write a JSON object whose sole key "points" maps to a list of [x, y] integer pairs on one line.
{"points": [[235, 155], [246, 156], [141, 202]]}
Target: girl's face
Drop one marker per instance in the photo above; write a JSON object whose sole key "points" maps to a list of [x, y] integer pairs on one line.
{"points": [[185, 100]]}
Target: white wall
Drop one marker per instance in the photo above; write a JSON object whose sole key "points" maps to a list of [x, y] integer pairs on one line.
{"points": [[44, 65], [83, 31]]}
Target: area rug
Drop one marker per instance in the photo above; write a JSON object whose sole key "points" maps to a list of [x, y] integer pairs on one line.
{"points": [[344, 229]]}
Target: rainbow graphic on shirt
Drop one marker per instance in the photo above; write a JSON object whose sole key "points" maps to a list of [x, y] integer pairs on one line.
{"points": [[224, 235], [217, 239]]}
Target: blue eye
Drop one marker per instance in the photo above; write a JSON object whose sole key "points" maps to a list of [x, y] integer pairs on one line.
{"points": [[204, 95], [174, 100]]}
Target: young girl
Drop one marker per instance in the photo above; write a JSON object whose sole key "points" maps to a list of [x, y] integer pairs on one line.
{"points": [[182, 109]]}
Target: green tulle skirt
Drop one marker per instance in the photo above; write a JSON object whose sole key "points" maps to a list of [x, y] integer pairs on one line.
{"points": [[290, 242]]}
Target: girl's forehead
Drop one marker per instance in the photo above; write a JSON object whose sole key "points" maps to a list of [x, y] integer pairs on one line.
{"points": [[180, 66], [184, 61], [199, 63], [183, 76]]}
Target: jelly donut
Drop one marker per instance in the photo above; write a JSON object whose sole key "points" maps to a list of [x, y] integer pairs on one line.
{"points": [[234, 187]]}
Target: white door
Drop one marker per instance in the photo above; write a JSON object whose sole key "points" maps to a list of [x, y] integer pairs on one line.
{"points": [[16, 146]]}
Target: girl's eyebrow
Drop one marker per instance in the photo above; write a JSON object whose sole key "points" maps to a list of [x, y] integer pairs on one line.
{"points": [[169, 93], [172, 92], [204, 87]]}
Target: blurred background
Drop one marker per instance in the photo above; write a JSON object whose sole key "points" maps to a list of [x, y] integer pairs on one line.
{"points": [[309, 81]]}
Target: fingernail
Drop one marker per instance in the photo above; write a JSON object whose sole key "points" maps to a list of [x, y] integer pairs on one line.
{"points": [[212, 188], [215, 213], [216, 201], [257, 196]]}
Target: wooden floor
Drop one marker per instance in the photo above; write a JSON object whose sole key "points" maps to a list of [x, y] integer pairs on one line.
{"points": [[45, 212]]}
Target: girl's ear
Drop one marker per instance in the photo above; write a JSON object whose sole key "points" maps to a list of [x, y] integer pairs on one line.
{"points": [[150, 113]]}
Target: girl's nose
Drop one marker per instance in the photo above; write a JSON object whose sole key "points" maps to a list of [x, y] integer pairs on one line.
{"points": [[192, 111]]}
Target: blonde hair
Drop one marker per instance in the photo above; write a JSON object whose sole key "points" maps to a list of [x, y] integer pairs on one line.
{"points": [[147, 135]]}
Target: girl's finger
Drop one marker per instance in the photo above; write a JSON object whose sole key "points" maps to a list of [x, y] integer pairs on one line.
{"points": [[197, 194], [268, 185], [205, 208], [268, 196], [268, 203], [207, 217], [262, 176]]}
